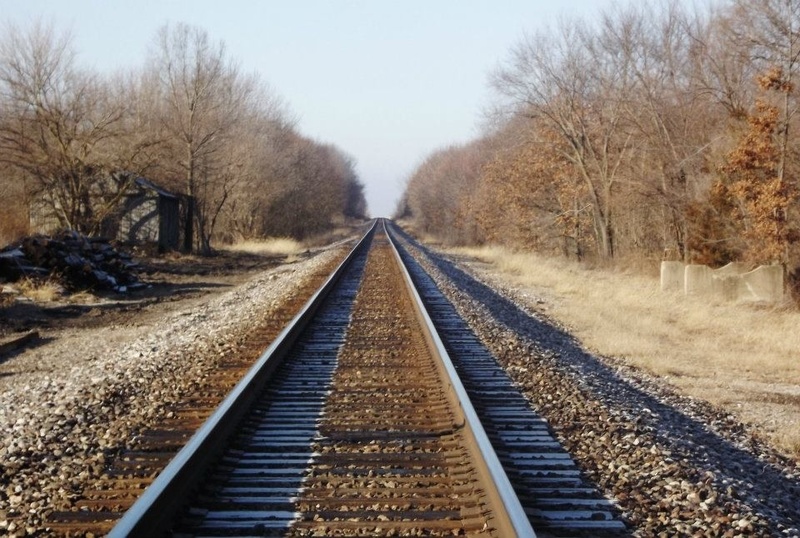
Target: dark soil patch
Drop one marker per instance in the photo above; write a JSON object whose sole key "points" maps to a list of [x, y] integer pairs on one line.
{"points": [[170, 279]]}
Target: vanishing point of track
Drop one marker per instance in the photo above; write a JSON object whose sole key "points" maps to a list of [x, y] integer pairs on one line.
{"points": [[355, 423]]}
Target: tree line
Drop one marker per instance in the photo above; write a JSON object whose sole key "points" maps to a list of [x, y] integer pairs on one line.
{"points": [[73, 141], [654, 131]]}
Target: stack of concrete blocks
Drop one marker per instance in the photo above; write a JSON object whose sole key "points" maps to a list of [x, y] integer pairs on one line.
{"points": [[730, 283]]}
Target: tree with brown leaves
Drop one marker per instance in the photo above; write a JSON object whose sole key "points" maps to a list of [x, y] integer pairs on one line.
{"points": [[756, 181]]}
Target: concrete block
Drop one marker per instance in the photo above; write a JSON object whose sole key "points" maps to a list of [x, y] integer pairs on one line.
{"points": [[727, 287], [698, 280], [763, 284], [672, 274], [730, 283], [732, 269]]}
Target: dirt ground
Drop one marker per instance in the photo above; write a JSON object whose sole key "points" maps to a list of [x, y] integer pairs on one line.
{"points": [[172, 280]]}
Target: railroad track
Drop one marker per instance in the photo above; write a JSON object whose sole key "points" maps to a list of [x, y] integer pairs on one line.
{"points": [[110, 491], [355, 422]]}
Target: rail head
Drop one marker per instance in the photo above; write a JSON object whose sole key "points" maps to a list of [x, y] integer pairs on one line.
{"points": [[161, 501], [511, 519]]}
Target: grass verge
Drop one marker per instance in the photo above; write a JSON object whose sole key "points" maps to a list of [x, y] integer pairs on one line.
{"points": [[742, 358], [275, 246]]}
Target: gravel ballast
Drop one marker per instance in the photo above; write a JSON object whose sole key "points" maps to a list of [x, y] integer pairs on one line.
{"points": [[68, 406]]}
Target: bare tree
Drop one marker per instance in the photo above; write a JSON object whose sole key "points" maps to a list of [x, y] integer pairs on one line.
{"points": [[204, 98], [313, 194], [673, 120], [440, 191], [55, 122], [748, 57], [530, 196], [577, 83], [722, 64], [772, 29], [355, 204], [246, 211]]}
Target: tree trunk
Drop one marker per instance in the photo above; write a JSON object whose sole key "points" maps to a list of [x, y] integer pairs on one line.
{"points": [[188, 231]]}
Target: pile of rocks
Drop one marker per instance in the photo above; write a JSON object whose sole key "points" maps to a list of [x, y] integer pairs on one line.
{"points": [[80, 262]]}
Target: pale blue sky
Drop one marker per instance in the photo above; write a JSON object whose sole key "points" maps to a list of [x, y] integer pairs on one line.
{"points": [[386, 81]]}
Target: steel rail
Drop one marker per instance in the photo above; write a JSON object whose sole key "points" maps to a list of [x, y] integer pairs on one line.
{"points": [[510, 518], [164, 498], [553, 492], [161, 503]]}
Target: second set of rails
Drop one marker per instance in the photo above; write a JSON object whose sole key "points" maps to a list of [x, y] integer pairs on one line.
{"points": [[376, 412]]}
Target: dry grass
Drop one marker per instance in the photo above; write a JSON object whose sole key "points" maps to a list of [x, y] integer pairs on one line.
{"points": [[82, 297], [276, 246], [40, 291], [6, 299], [331, 236], [743, 358]]}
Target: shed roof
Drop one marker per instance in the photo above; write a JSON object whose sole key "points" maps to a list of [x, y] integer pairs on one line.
{"points": [[149, 185]]}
